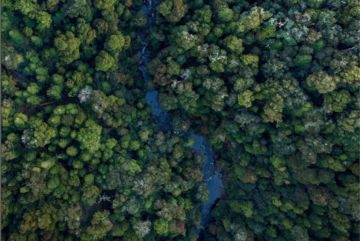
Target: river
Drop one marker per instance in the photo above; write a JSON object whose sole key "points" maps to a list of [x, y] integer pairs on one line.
{"points": [[211, 178]]}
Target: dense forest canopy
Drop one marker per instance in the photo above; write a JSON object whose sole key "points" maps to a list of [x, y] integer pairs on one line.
{"points": [[272, 85]]}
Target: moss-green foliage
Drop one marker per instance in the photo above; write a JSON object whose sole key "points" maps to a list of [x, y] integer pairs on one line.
{"points": [[273, 85], [82, 156], [67, 46], [277, 86], [104, 61], [89, 137]]}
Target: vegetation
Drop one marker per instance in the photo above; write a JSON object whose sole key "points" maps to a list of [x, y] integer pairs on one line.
{"points": [[82, 157], [273, 86]]}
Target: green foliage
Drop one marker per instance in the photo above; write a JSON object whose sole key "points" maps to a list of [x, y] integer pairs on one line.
{"points": [[225, 15], [273, 86], [90, 194], [104, 61], [67, 46], [161, 226], [276, 99], [115, 42], [100, 225], [234, 44], [245, 98], [337, 100], [106, 4], [254, 17], [89, 136], [323, 82], [302, 59], [16, 36]]}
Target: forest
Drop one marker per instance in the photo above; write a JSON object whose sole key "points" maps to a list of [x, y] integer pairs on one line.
{"points": [[273, 86]]}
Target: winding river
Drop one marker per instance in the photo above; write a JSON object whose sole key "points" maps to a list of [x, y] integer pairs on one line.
{"points": [[211, 178]]}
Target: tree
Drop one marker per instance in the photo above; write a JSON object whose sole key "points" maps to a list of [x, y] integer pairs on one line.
{"points": [[68, 47], [225, 15], [90, 194], [16, 36], [43, 20], [89, 136], [115, 42], [234, 44], [104, 61], [161, 226], [245, 98], [323, 82], [253, 18], [105, 4], [351, 76]]}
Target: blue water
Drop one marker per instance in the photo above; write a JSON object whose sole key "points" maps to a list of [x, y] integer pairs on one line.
{"points": [[211, 178]]}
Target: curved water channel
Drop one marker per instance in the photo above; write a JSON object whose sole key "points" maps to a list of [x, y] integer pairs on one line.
{"points": [[211, 178]]}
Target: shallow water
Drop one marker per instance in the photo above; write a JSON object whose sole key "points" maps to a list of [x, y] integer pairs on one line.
{"points": [[163, 120], [212, 179]]}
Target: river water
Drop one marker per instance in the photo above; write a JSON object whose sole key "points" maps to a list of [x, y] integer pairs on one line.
{"points": [[211, 178]]}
